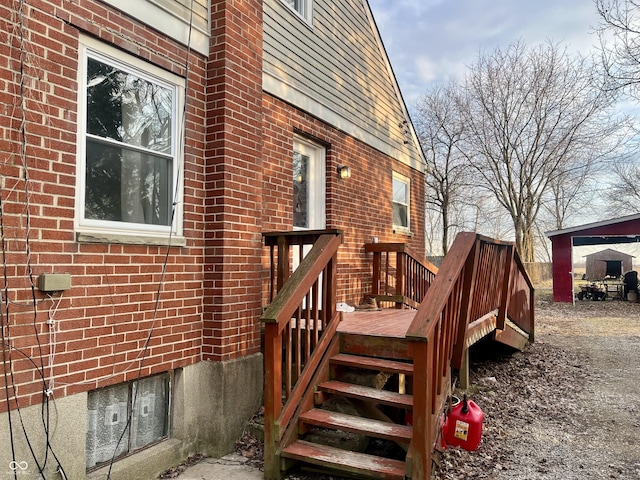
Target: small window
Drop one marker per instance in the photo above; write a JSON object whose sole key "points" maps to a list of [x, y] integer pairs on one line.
{"points": [[130, 145], [126, 417], [303, 8], [400, 202]]}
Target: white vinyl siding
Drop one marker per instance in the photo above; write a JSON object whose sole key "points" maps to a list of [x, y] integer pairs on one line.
{"points": [[173, 18], [337, 71]]}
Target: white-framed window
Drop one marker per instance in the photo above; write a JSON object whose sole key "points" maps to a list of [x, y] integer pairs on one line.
{"points": [[400, 201], [130, 145], [126, 417], [304, 8]]}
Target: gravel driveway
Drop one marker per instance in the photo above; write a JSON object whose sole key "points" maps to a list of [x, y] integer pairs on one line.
{"points": [[568, 407]]}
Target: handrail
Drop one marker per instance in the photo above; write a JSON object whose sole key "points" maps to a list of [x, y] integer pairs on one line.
{"points": [[300, 324], [280, 245], [293, 292], [478, 276], [405, 281]]}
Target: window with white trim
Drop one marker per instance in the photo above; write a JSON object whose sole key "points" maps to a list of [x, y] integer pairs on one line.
{"points": [[401, 202], [130, 153], [126, 417], [304, 8]]}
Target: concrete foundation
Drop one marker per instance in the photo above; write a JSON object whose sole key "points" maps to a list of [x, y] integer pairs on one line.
{"points": [[66, 436], [211, 403]]}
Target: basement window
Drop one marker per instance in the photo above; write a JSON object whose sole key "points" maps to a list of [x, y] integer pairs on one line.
{"points": [[126, 417]]}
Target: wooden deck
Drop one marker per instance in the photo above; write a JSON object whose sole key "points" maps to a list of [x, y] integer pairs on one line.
{"points": [[393, 323], [387, 322]]}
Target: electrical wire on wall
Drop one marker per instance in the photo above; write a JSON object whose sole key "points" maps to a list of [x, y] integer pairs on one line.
{"points": [[5, 313], [181, 153]]}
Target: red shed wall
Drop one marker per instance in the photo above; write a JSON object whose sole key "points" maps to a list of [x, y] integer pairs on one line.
{"points": [[562, 269], [561, 252]]}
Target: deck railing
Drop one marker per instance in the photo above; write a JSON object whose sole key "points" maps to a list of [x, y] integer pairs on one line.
{"points": [[478, 277], [401, 278], [300, 324]]}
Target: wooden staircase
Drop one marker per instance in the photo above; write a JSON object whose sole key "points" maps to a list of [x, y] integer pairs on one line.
{"points": [[367, 402], [311, 350]]}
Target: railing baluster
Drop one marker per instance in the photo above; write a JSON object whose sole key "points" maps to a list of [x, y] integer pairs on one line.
{"points": [[288, 360]]}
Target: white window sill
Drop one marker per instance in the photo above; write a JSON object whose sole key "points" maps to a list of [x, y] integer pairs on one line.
{"points": [[402, 231], [151, 240]]}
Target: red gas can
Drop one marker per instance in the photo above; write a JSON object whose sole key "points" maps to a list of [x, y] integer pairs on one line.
{"points": [[464, 425]]}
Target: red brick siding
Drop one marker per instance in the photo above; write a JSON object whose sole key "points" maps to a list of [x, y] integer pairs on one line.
{"points": [[104, 322], [237, 184], [233, 179], [360, 205]]}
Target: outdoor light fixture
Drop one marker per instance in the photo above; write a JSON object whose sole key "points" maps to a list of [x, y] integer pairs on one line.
{"points": [[344, 171]]}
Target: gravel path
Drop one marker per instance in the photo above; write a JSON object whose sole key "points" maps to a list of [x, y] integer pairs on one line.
{"points": [[568, 407]]}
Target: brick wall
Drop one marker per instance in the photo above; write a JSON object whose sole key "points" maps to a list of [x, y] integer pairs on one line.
{"points": [[360, 205], [104, 321], [237, 184], [233, 182]]}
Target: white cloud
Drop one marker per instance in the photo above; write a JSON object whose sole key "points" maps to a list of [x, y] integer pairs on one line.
{"points": [[432, 40]]}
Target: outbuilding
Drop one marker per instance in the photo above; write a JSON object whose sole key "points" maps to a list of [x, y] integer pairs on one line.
{"points": [[615, 231], [607, 263]]}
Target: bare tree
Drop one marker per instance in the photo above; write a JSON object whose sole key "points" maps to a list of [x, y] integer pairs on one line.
{"points": [[619, 33], [532, 116], [624, 193], [441, 130]]}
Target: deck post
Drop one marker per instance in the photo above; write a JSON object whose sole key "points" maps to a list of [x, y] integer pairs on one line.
{"points": [[400, 276], [272, 400], [504, 294], [422, 442], [375, 280], [283, 261], [463, 375]]}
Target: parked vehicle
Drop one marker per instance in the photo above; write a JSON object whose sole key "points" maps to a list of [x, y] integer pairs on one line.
{"points": [[592, 291]]}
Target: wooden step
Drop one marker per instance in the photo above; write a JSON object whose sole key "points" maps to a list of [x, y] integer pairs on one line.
{"points": [[374, 346], [366, 393], [372, 363], [351, 463], [359, 425]]}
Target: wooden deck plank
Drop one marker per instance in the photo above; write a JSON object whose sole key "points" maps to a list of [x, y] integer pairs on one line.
{"points": [[371, 363], [352, 462], [387, 322], [366, 393], [360, 425], [480, 328]]}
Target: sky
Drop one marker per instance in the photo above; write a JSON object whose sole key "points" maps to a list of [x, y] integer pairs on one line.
{"points": [[432, 40]]}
